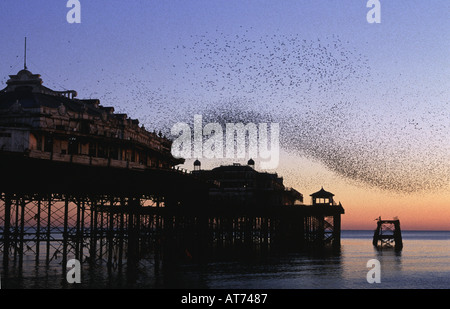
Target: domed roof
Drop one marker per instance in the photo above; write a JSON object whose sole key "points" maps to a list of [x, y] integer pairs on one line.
{"points": [[24, 77], [322, 194], [197, 163], [251, 162]]}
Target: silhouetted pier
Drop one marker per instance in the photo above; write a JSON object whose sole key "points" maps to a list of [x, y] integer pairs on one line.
{"points": [[83, 182], [114, 215]]}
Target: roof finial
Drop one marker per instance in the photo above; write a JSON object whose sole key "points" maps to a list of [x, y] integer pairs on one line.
{"points": [[25, 55]]}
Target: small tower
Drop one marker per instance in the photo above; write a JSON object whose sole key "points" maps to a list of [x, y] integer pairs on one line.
{"points": [[197, 165], [322, 198], [251, 163]]}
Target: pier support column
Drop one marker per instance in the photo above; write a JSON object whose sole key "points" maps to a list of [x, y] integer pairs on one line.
{"points": [[133, 237], [65, 233], [7, 231], [110, 236], [38, 231], [49, 218], [93, 230], [78, 228], [121, 236], [22, 230], [337, 231]]}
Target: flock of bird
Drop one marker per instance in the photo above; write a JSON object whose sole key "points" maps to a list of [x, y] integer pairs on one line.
{"points": [[272, 65], [328, 100], [390, 138]]}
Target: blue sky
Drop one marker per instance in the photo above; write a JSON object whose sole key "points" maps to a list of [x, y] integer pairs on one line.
{"points": [[120, 35], [386, 106]]}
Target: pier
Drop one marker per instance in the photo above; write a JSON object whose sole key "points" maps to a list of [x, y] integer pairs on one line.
{"points": [[80, 181]]}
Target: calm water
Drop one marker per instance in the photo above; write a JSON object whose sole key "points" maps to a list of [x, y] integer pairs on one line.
{"points": [[423, 263]]}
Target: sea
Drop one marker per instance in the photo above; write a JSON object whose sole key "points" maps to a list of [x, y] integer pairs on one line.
{"points": [[423, 263]]}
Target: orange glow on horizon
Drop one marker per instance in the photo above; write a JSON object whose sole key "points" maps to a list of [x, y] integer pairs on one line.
{"points": [[362, 204]]}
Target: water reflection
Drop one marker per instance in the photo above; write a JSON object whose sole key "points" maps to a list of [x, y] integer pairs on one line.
{"points": [[240, 269], [421, 263], [390, 260]]}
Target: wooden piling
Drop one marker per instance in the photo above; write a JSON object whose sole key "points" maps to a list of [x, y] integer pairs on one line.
{"points": [[387, 233]]}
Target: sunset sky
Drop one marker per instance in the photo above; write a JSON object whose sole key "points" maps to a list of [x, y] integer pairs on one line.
{"points": [[364, 109]]}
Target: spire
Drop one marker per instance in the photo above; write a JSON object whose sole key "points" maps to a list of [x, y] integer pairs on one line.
{"points": [[25, 55]]}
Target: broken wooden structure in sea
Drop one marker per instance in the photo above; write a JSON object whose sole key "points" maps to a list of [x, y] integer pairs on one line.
{"points": [[388, 234]]}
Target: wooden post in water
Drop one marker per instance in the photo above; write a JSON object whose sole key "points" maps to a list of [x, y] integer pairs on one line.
{"points": [[398, 236], [337, 231]]}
